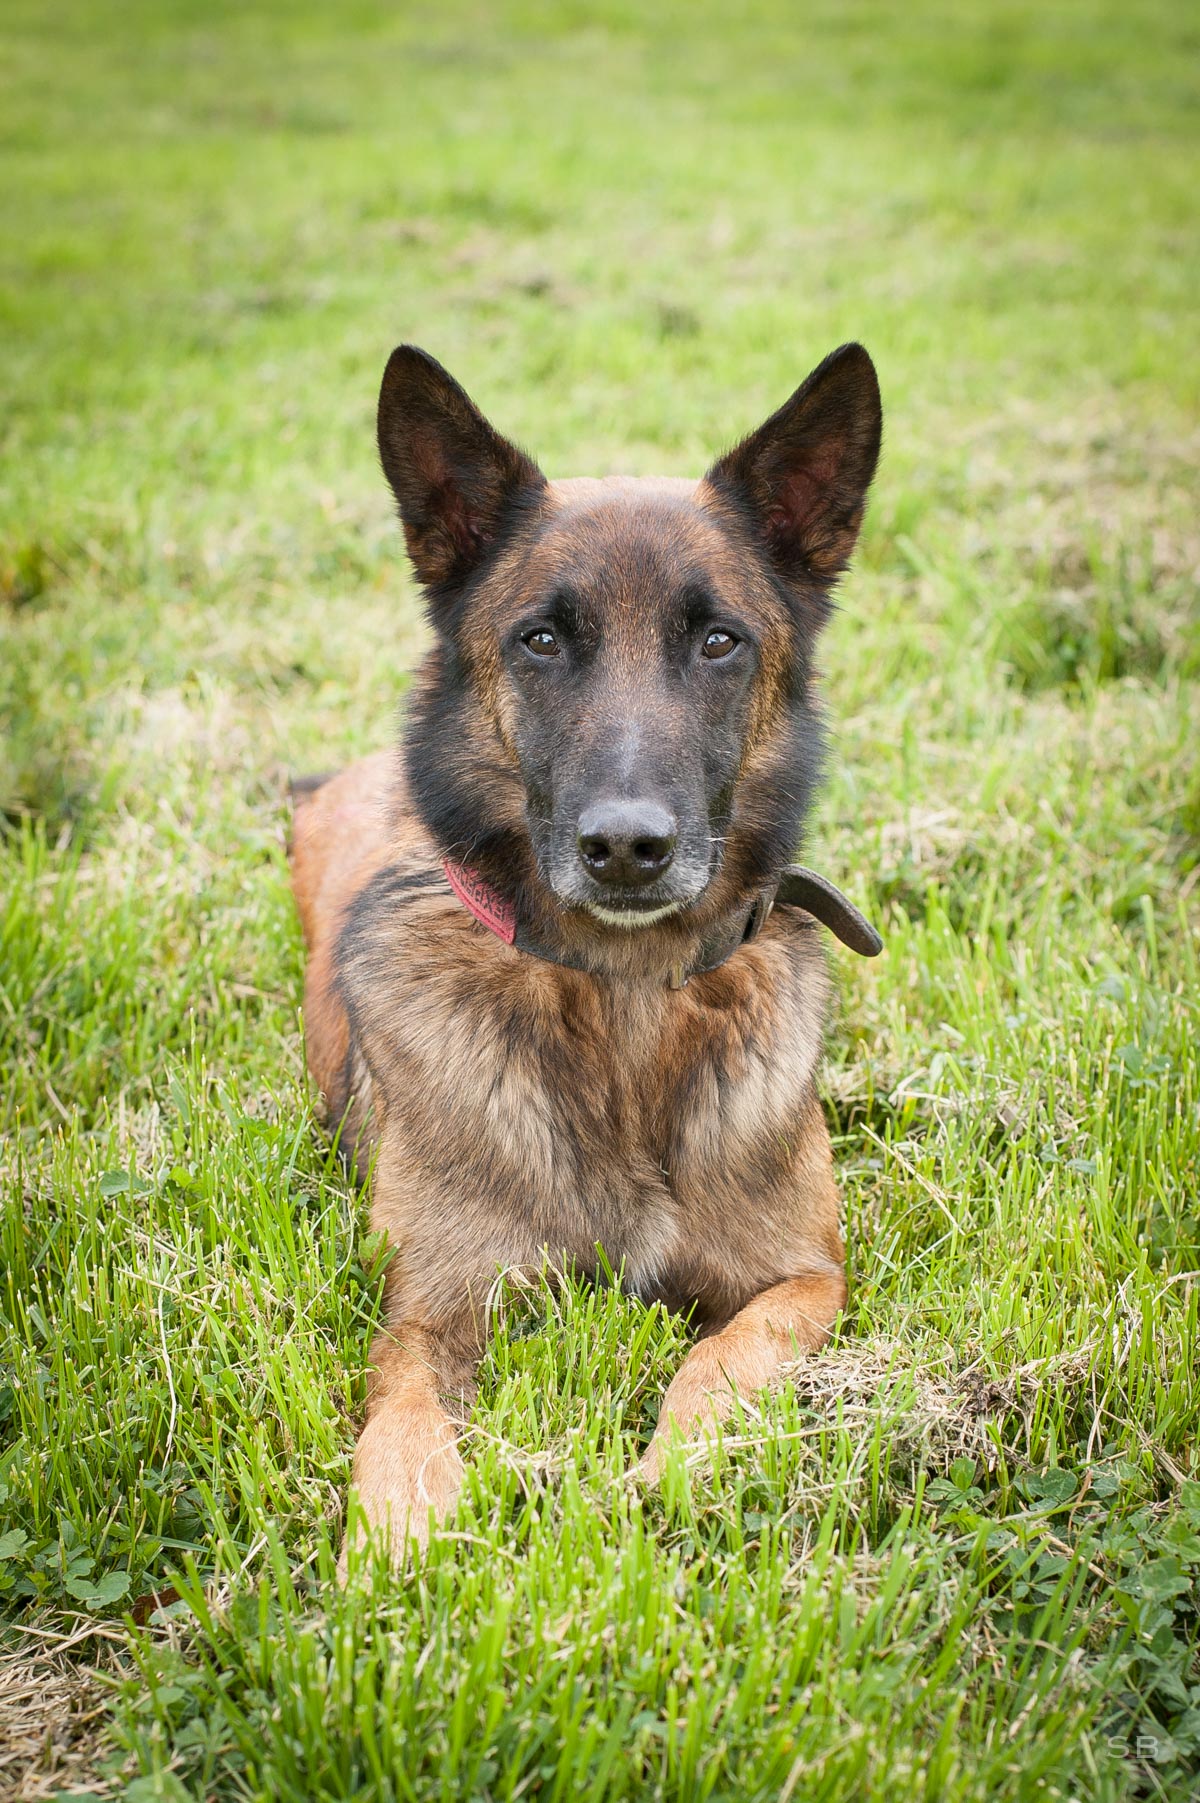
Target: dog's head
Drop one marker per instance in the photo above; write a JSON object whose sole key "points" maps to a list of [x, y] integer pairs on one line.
{"points": [[618, 719]]}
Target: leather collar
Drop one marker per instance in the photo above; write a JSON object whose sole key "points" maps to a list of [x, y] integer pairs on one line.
{"points": [[796, 888]]}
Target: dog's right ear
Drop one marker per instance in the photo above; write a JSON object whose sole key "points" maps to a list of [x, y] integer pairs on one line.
{"points": [[454, 478]]}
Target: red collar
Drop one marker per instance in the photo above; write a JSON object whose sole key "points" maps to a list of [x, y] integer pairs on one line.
{"points": [[490, 908]]}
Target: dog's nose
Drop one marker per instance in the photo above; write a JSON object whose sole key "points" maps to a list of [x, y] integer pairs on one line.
{"points": [[626, 842]]}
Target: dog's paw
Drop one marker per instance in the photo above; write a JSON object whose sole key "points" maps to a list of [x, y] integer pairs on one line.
{"points": [[696, 1436], [399, 1533], [402, 1492]]}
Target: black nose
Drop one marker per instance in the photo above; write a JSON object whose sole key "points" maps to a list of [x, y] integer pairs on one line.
{"points": [[626, 842]]}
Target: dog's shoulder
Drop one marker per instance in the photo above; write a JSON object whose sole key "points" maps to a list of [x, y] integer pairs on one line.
{"points": [[344, 828]]}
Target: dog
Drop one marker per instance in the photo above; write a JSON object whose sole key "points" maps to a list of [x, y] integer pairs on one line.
{"points": [[565, 994]]}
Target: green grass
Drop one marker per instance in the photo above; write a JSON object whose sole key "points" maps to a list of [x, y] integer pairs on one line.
{"points": [[957, 1558]]}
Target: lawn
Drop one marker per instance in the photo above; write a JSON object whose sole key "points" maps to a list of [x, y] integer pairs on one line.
{"points": [[958, 1556]]}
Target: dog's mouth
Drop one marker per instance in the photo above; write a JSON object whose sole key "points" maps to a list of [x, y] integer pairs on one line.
{"points": [[630, 907], [635, 912]]}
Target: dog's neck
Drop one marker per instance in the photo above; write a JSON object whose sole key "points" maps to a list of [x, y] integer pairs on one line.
{"points": [[797, 887]]}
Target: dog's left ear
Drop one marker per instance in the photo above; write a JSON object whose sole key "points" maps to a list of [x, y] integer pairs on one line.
{"points": [[454, 477], [803, 476]]}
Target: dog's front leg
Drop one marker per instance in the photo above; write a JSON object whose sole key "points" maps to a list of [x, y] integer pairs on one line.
{"points": [[407, 1470], [742, 1358]]}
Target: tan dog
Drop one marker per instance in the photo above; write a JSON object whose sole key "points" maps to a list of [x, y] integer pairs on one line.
{"points": [[563, 984]]}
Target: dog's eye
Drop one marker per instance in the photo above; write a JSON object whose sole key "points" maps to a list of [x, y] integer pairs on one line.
{"points": [[719, 644], [542, 642]]}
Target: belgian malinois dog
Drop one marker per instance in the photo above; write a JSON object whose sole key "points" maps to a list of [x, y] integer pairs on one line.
{"points": [[565, 991]]}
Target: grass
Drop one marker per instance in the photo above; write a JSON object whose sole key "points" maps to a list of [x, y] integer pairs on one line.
{"points": [[957, 1557]]}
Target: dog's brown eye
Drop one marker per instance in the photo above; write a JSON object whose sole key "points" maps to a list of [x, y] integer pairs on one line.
{"points": [[719, 644], [542, 643]]}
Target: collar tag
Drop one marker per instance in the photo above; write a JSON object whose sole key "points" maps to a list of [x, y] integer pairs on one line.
{"points": [[489, 907]]}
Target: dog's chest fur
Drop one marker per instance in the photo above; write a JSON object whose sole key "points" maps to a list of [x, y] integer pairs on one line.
{"points": [[647, 1121]]}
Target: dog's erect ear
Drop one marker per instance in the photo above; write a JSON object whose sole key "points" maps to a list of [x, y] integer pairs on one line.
{"points": [[803, 476], [452, 474]]}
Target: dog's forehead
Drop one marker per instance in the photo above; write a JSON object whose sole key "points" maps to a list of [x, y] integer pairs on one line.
{"points": [[609, 535]]}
